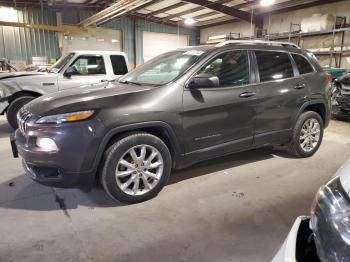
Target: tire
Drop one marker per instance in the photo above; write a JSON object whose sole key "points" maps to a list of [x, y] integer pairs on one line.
{"points": [[119, 151], [295, 148], [14, 107]]}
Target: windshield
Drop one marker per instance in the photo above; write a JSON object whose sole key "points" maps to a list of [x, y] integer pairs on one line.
{"points": [[163, 69], [61, 63]]}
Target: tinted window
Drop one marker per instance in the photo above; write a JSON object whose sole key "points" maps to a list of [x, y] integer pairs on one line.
{"points": [[119, 65], [89, 65], [303, 65], [273, 65], [231, 68]]}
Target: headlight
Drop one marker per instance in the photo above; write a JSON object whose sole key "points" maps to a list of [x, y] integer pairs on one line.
{"points": [[65, 118], [330, 222]]}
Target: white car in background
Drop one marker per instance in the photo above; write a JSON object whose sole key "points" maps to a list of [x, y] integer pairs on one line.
{"points": [[76, 69], [325, 235]]}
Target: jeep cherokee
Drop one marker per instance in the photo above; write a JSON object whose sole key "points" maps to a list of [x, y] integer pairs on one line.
{"points": [[182, 107]]}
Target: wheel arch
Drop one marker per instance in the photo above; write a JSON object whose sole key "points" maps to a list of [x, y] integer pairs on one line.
{"points": [[157, 128], [317, 106], [23, 93]]}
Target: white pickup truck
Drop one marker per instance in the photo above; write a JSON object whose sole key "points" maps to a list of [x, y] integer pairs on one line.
{"points": [[76, 69]]}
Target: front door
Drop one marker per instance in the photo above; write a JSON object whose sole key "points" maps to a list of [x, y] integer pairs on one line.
{"points": [[85, 70], [219, 118]]}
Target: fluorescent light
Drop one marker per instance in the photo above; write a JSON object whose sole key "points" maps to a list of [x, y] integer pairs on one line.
{"points": [[215, 37], [189, 21], [267, 2]]}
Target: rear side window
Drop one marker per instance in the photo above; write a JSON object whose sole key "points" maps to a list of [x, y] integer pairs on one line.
{"points": [[119, 65], [273, 65], [303, 65]]}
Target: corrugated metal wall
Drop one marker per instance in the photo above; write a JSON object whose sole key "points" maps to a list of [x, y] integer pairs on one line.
{"points": [[126, 25], [22, 44]]}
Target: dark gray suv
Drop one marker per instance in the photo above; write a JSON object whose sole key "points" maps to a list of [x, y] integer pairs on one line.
{"points": [[179, 108]]}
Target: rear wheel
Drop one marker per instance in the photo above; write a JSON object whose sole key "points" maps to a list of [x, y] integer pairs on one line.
{"points": [[135, 168], [307, 135], [14, 107]]}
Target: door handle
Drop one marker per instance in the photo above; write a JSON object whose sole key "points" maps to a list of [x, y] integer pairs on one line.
{"points": [[300, 86], [247, 94], [104, 80]]}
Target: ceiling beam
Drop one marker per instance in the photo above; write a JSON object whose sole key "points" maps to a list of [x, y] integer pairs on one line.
{"points": [[112, 12], [230, 11], [157, 20], [190, 11], [239, 6], [56, 5], [166, 9], [62, 29], [280, 8]]}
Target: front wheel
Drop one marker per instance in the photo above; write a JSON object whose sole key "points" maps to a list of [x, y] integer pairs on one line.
{"points": [[14, 107], [307, 135], [135, 168]]}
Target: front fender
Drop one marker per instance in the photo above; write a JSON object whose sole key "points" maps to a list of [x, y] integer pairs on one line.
{"points": [[139, 126]]}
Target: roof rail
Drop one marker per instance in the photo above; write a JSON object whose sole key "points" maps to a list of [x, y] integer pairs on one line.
{"points": [[262, 42]]}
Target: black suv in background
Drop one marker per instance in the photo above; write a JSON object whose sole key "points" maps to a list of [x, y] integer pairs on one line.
{"points": [[179, 108]]}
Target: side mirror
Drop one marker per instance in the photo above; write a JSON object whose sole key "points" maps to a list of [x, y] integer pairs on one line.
{"points": [[69, 72], [204, 81]]}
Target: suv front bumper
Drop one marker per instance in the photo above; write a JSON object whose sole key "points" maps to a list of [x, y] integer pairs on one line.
{"points": [[71, 166]]}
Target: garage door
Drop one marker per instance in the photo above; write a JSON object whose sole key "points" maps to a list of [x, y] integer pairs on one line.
{"points": [[157, 43], [94, 39]]}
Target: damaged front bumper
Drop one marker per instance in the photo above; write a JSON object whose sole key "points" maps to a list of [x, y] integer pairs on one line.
{"points": [[299, 244], [343, 99]]}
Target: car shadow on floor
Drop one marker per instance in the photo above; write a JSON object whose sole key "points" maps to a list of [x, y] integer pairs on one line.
{"points": [[23, 193]]}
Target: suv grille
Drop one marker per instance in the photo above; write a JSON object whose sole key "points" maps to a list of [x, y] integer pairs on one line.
{"points": [[22, 118]]}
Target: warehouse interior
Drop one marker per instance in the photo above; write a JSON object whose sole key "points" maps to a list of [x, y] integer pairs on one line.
{"points": [[236, 207]]}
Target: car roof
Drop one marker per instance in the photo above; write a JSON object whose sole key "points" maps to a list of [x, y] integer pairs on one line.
{"points": [[98, 52], [246, 46]]}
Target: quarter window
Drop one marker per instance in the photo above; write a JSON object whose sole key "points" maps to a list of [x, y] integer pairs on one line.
{"points": [[119, 65], [273, 65], [303, 65], [89, 65], [231, 69]]}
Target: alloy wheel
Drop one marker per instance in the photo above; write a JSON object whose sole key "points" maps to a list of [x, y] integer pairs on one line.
{"points": [[310, 134], [139, 170]]}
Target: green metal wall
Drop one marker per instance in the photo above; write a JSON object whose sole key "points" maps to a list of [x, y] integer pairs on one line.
{"points": [[126, 25], [22, 44]]}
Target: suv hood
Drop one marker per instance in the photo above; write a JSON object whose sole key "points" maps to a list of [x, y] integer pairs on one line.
{"points": [[83, 98]]}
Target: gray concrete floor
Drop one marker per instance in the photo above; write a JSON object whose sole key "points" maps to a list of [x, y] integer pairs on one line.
{"points": [[235, 208]]}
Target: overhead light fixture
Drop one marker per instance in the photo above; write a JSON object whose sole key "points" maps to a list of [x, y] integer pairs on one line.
{"points": [[267, 2], [189, 21], [216, 37]]}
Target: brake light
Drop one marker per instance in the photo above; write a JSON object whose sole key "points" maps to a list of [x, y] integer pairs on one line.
{"points": [[329, 77]]}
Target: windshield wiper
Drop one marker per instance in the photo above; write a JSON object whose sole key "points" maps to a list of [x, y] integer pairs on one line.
{"points": [[129, 82]]}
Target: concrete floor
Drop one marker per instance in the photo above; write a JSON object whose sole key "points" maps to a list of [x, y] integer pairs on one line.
{"points": [[235, 208]]}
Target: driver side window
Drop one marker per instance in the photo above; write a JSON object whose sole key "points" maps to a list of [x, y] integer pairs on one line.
{"points": [[231, 69], [88, 65]]}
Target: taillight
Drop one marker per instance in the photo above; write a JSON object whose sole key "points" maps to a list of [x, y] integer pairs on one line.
{"points": [[329, 77]]}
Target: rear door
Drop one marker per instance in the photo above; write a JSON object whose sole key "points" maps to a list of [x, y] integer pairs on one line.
{"points": [[281, 92], [88, 69], [220, 119]]}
